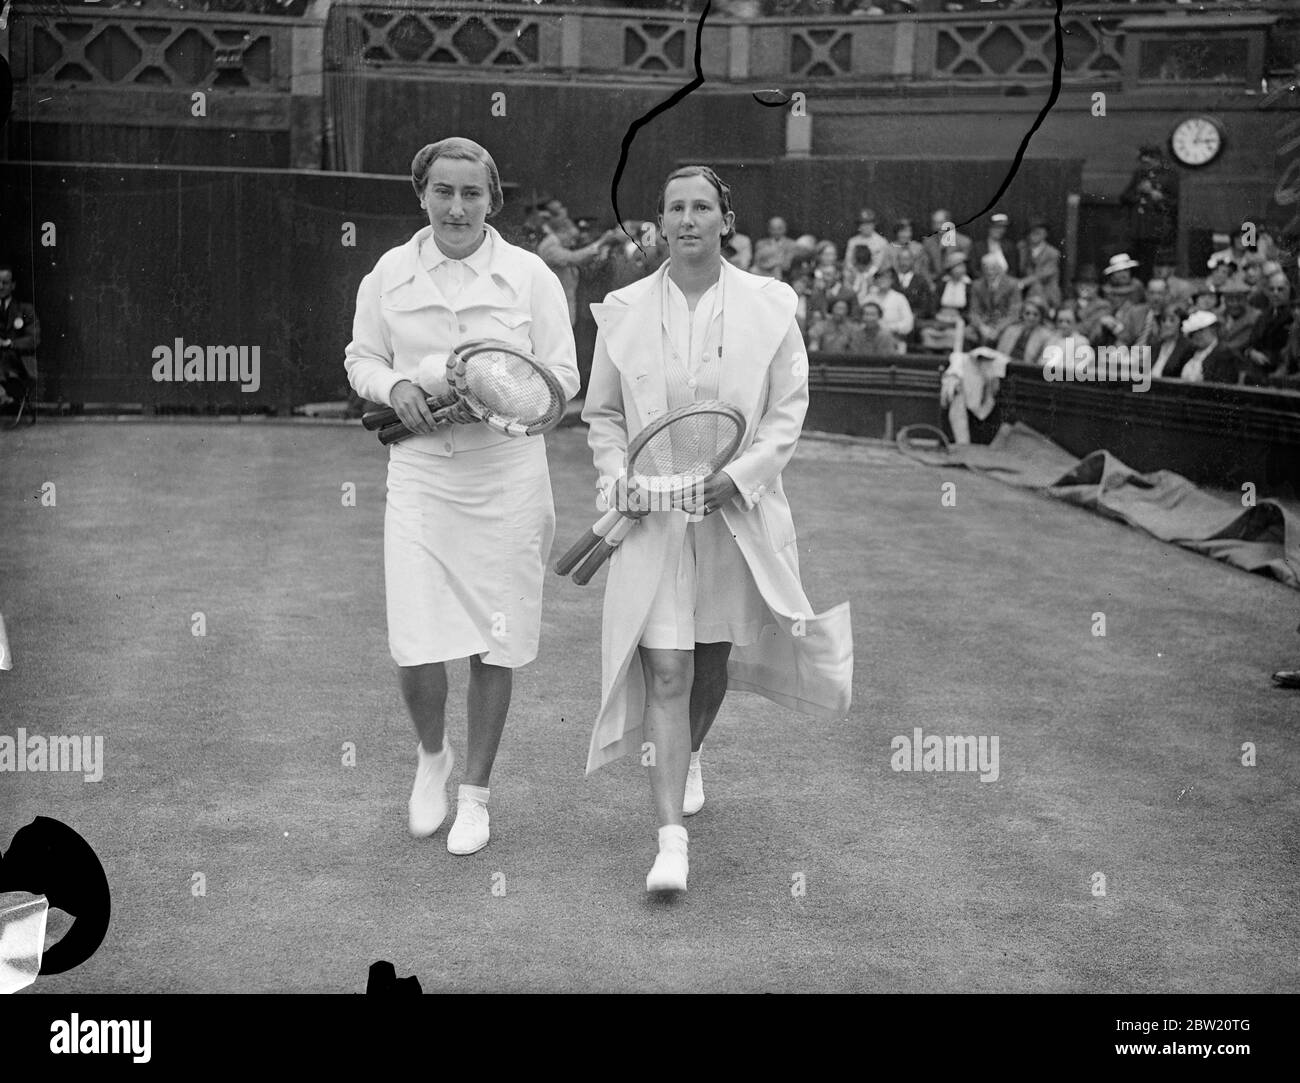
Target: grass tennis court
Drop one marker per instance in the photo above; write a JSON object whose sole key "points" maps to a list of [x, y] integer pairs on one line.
{"points": [[224, 753]]}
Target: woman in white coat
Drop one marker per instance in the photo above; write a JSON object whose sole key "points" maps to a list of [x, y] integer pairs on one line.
{"points": [[470, 518], [708, 598]]}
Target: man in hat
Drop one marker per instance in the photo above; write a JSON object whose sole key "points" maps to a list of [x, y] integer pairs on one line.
{"points": [[995, 244], [1040, 264], [1152, 199], [936, 252], [1178, 290], [1210, 361], [1129, 322], [1238, 317], [994, 300]]}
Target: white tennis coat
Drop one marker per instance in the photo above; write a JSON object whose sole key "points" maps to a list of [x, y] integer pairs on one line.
{"points": [[803, 660]]}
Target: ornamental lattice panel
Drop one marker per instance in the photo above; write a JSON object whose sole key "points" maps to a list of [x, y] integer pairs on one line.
{"points": [[1008, 49], [144, 53], [378, 37], [649, 46], [818, 53]]}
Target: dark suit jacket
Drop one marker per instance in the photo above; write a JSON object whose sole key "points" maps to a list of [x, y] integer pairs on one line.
{"points": [[920, 295], [25, 338], [1221, 366]]}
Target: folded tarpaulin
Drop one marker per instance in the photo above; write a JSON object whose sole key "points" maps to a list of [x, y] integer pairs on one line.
{"points": [[1264, 538]]}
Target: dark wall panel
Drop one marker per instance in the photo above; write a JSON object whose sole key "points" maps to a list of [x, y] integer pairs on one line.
{"points": [[145, 256]]}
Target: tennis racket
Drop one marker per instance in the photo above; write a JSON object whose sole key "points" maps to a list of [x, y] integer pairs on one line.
{"points": [[667, 459], [497, 383]]}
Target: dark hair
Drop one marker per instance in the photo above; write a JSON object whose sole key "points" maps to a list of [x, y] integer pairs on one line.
{"points": [[1178, 310], [724, 192], [465, 150], [901, 224], [874, 304]]}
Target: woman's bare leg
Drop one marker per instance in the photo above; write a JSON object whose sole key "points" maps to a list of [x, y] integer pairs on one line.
{"points": [[708, 689], [487, 703], [669, 675]]}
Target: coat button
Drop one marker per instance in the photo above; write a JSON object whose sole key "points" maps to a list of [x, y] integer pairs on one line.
{"points": [[448, 447], [690, 382], [462, 327]]}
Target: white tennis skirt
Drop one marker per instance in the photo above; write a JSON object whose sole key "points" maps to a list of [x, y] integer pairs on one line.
{"points": [[466, 540]]}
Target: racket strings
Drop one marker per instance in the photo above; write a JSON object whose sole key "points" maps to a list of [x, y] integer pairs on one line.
{"points": [[509, 386], [695, 446]]}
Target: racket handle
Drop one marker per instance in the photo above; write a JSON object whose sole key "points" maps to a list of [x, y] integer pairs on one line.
{"points": [[378, 419], [603, 551], [583, 546], [391, 434]]}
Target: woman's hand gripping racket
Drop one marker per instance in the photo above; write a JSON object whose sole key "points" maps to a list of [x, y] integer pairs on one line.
{"points": [[494, 382], [666, 461]]}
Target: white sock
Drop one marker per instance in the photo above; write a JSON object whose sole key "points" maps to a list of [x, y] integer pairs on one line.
{"points": [[672, 837], [475, 793], [695, 758]]}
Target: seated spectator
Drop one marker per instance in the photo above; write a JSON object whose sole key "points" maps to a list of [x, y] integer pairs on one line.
{"points": [[865, 250], [1209, 360], [1040, 264], [1157, 294], [969, 391], [1130, 320], [995, 244], [826, 266], [1171, 347], [1219, 274], [1237, 318], [936, 252], [1063, 334], [953, 301], [1268, 337], [839, 331], [828, 288], [897, 318], [1179, 289], [775, 252], [876, 339], [1287, 372], [1259, 296], [1205, 298], [1023, 341], [903, 242], [994, 300], [20, 335], [1223, 248], [739, 251], [915, 286], [804, 258], [1089, 305]]}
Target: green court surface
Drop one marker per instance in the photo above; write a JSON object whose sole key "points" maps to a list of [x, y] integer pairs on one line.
{"points": [[814, 865]]}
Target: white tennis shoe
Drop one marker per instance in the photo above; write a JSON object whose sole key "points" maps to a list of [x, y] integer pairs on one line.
{"points": [[671, 865], [469, 834], [694, 799], [428, 805]]}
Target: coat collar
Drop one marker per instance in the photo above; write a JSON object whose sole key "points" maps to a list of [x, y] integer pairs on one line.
{"points": [[757, 312], [406, 284]]}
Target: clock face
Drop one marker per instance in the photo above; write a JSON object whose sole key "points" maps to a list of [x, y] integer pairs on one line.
{"points": [[1197, 141]]}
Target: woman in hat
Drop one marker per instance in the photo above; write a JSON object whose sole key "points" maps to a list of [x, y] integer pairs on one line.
{"points": [[1129, 322], [469, 517], [953, 299], [1040, 264], [707, 598], [1208, 360]]}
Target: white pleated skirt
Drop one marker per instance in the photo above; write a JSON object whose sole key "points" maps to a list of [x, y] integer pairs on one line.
{"points": [[466, 538], [706, 594]]}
